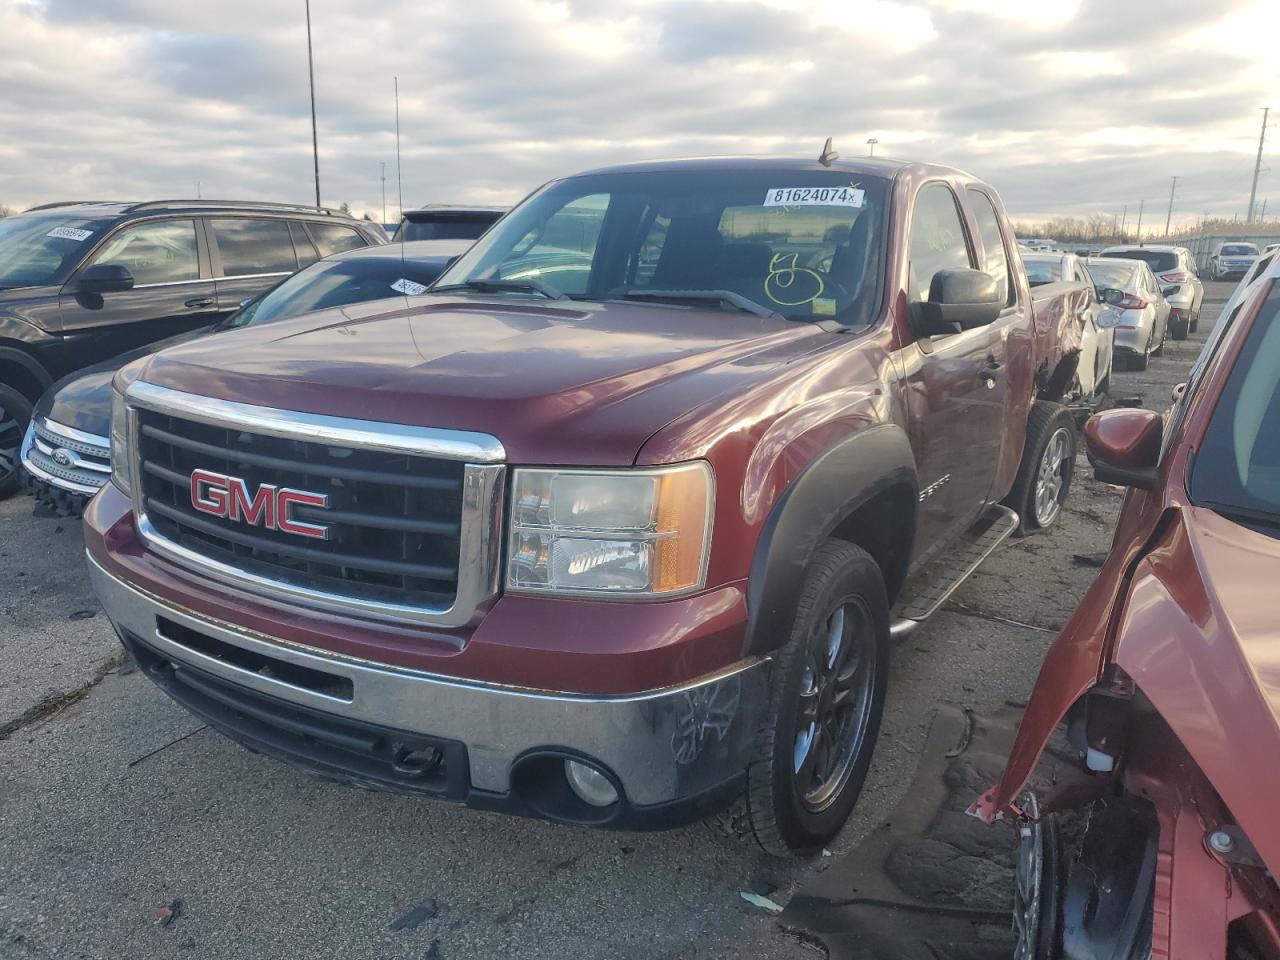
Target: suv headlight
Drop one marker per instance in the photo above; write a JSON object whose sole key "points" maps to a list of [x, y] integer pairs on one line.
{"points": [[638, 533], [119, 442]]}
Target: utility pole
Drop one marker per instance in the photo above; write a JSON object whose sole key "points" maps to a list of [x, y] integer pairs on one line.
{"points": [[1141, 205], [1263, 216], [871, 146], [1124, 222], [198, 197], [1169, 217], [383, 165], [311, 73], [399, 182], [1257, 167]]}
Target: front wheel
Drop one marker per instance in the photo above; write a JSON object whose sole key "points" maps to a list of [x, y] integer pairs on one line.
{"points": [[826, 699], [1047, 468], [15, 414]]}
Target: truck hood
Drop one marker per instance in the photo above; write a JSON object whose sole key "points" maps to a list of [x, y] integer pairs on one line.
{"points": [[1201, 640], [556, 382]]}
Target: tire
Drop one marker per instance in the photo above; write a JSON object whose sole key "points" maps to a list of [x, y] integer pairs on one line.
{"points": [[1164, 335], [1140, 361], [1179, 329], [782, 809], [1195, 321], [15, 414], [1036, 496]]}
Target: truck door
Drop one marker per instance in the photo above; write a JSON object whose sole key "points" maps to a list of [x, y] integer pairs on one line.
{"points": [[171, 292], [955, 383]]}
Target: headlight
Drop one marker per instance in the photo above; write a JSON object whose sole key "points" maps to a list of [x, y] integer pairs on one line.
{"points": [[639, 533], [119, 442]]}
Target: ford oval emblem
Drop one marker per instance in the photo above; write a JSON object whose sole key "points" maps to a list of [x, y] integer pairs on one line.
{"points": [[64, 457]]}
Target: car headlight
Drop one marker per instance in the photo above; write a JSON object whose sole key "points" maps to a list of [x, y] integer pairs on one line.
{"points": [[639, 533], [119, 442]]}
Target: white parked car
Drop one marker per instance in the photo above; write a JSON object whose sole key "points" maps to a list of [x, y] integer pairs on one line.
{"points": [[1232, 258], [1136, 311], [1093, 374]]}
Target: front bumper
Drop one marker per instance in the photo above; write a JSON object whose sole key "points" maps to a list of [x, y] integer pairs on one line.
{"points": [[675, 754]]}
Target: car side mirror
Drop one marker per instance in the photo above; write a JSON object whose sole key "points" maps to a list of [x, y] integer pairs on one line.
{"points": [[959, 300], [1179, 391], [1124, 446], [1112, 296], [105, 278]]}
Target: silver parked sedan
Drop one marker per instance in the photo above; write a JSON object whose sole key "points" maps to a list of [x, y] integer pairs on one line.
{"points": [[1136, 310]]}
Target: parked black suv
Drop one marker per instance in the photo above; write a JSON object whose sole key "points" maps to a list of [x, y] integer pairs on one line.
{"points": [[83, 281]]}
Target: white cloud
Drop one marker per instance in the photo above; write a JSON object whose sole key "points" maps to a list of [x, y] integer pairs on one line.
{"points": [[1070, 106]]}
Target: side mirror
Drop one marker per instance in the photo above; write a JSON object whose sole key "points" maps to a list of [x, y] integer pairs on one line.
{"points": [[1179, 391], [1112, 296], [1124, 446], [959, 300], [105, 278]]}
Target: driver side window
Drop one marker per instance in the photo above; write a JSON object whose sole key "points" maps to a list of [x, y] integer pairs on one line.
{"points": [[937, 239], [162, 251]]}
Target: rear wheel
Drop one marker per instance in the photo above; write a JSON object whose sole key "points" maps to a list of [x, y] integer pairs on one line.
{"points": [[15, 414], [1048, 466], [826, 699]]}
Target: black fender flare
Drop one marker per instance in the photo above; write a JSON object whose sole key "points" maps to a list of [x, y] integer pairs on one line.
{"points": [[829, 490]]}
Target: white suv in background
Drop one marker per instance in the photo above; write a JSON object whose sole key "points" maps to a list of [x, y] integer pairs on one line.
{"points": [[1232, 258]]}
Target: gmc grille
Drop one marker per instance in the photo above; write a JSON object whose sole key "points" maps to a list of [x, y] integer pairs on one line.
{"points": [[394, 519]]}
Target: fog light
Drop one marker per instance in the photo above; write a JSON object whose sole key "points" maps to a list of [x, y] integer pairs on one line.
{"points": [[590, 784]]}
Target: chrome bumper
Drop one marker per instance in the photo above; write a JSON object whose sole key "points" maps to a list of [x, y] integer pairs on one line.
{"points": [[662, 745]]}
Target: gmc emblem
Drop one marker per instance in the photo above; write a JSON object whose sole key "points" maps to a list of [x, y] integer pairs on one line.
{"points": [[221, 496]]}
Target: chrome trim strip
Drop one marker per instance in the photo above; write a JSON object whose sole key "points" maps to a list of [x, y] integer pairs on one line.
{"points": [[340, 431], [662, 744], [71, 433], [172, 283], [483, 488]]}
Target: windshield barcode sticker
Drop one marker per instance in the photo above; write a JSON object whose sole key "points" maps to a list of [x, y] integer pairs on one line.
{"points": [[70, 233], [408, 287], [813, 197]]}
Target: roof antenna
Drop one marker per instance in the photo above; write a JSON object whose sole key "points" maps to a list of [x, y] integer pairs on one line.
{"points": [[828, 155]]}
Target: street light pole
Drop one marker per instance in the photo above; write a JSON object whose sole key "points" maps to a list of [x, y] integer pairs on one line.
{"points": [[399, 182], [1169, 218], [311, 73], [1257, 167], [871, 146], [383, 165]]}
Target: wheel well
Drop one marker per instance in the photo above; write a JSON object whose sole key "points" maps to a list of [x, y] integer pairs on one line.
{"points": [[1054, 386], [21, 379], [878, 527]]}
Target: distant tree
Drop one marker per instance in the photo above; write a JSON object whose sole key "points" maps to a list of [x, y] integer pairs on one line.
{"points": [[5, 211], [367, 217], [345, 208]]}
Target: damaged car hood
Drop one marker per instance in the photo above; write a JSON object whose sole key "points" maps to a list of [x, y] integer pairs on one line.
{"points": [[1200, 637]]}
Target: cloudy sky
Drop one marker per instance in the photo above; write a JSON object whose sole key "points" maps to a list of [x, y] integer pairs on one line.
{"points": [[1068, 106]]}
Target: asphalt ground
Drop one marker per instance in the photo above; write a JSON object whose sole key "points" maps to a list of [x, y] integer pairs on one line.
{"points": [[128, 830]]}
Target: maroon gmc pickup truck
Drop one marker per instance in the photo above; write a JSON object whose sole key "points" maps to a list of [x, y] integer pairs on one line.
{"points": [[614, 525]]}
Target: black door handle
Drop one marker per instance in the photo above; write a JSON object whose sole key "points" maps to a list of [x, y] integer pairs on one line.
{"points": [[199, 302]]}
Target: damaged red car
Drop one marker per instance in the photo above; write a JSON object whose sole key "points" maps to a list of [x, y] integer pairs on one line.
{"points": [[1165, 843]]}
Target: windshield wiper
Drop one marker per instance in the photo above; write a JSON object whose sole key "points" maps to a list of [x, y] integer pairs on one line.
{"points": [[497, 286], [735, 300], [1242, 514]]}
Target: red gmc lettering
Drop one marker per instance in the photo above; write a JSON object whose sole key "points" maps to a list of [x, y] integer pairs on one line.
{"points": [[270, 507]]}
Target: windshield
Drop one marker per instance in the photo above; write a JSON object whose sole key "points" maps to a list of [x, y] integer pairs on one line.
{"points": [[451, 228], [1040, 272], [36, 250], [1237, 469], [1159, 261], [1116, 276], [336, 283], [1239, 250], [807, 245]]}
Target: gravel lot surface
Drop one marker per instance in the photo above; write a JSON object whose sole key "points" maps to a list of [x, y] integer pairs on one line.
{"points": [[127, 830]]}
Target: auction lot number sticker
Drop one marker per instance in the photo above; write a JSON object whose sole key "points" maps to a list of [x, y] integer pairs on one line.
{"points": [[69, 233], [813, 197]]}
